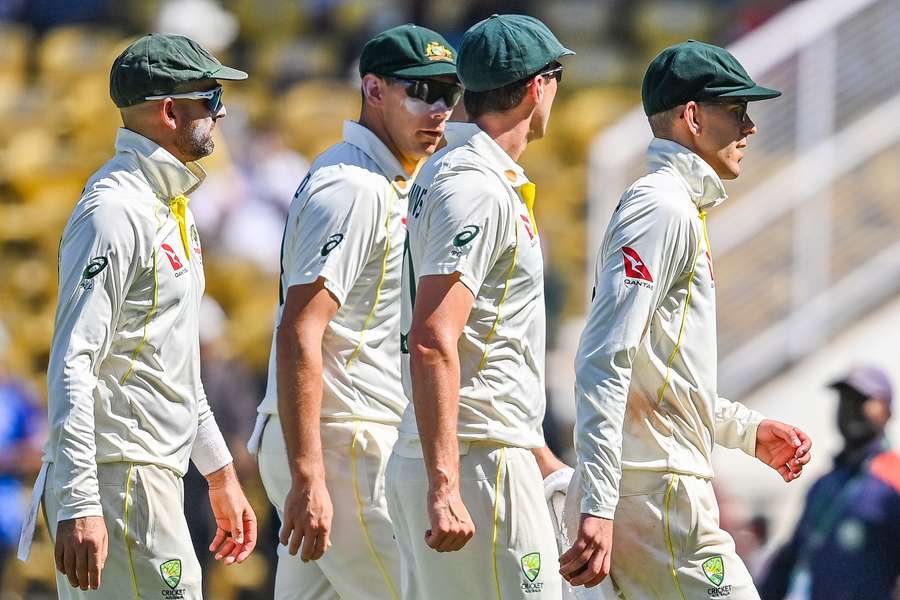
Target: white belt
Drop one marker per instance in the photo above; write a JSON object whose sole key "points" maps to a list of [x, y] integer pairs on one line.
{"points": [[27, 535]]}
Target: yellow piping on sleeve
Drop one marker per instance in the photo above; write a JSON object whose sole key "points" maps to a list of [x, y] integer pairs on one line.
{"points": [[706, 232], [362, 520], [153, 307], [497, 319], [496, 524], [527, 192], [128, 479], [384, 265], [687, 305], [672, 483]]}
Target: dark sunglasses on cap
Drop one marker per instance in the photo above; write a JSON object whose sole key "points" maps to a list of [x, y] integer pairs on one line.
{"points": [[430, 91], [554, 72], [213, 98]]}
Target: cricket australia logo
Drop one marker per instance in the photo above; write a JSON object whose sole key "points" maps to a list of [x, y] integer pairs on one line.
{"points": [[93, 268], [438, 51], [531, 568], [714, 569], [170, 571], [195, 240]]}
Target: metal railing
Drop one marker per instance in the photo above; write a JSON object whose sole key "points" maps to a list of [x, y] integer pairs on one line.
{"points": [[809, 239]]}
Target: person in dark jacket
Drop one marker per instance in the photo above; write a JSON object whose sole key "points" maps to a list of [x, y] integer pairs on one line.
{"points": [[847, 544]]}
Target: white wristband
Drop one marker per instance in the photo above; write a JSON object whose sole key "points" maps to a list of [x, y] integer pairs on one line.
{"points": [[210, 452]]}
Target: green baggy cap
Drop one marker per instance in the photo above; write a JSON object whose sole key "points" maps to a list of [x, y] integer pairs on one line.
{"points": [[697, 71], [503, 49], [156, 64], [408, 51]]}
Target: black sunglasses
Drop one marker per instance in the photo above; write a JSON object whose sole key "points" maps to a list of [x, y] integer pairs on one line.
{"points": [[740, 105], [555, 73], [430, 91], [212, 97]]}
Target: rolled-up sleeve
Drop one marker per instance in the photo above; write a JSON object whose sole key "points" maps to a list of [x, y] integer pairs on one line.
{"points": [[466, 228], [332, 235]]}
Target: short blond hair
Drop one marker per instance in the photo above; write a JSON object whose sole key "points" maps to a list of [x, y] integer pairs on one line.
{"points": [[661, 123]]}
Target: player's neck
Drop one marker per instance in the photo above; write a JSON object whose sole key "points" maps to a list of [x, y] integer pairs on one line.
{"points": [[509, 134], [376, 126]]}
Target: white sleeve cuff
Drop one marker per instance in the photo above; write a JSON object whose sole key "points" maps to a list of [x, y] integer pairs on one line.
{"points": [[210, 452], [749, 446], [90, 510], [592, 506]]}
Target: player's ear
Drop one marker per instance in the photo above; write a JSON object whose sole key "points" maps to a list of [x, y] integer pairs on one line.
{"points": [[373, 89], [167, 113], [536, 88], [691, 117]]}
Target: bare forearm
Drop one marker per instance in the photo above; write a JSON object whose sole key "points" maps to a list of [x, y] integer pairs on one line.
{"points": [[435, 375], [547, 461], [300, 402]]}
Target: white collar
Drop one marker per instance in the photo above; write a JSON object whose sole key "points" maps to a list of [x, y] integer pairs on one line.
{"points": [[701, 181], [496, 156], [371, 145], [168, 176]]}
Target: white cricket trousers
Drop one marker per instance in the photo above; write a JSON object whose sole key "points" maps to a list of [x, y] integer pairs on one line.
{"points": [[363, 562], [667, 542], [150, 550], [513, 555]]}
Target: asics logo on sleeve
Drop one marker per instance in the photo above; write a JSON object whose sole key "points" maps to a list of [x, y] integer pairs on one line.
{"points": [[94, 267], [468, 233], [636, 272], [332, 243]]}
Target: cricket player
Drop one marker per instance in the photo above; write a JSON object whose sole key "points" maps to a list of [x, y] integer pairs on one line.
{"points": [[127, 408], [465, 481], [334, 399], [648, 412]]}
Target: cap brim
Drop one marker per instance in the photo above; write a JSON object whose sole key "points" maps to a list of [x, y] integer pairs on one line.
{"points": [[845, 384], [434, 69], [757, 92], [566, 52], [229, 74]]}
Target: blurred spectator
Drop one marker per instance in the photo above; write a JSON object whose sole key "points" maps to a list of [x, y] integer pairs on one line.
{"points": [[204, 21], [847, 544], [21, 438], [45, 14], [254, 227]]}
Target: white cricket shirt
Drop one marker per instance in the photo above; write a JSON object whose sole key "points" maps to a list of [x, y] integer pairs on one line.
{"points": [[471, 212], [346, 225], [124, 373], [650, 339]]}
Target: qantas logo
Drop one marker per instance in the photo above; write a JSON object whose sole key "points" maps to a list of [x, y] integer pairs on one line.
{"points": [[173, 258], [634, 265]]}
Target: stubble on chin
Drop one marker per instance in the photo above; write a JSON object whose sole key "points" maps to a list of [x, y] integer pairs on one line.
{"points": [[195, 144]]}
